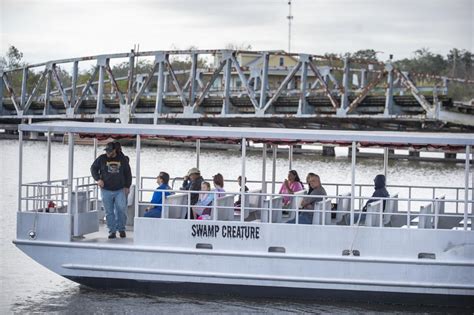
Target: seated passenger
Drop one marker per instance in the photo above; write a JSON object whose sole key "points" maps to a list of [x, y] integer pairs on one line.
{"points": [[218, 181], [202, 210], [309, 202], [291, 185], [307, 182], [154, 211], [380, 191], [192, 181], [239, 201]]}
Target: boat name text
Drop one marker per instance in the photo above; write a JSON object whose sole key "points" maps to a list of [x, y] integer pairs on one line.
{"points": [[226, 231]]}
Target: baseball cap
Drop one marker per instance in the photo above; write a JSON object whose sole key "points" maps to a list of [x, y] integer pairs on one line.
{"points": [[109, 147]]}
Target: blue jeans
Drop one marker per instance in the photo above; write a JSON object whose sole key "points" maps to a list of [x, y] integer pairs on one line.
{"points": [[115, 205], [153, 213], [303, 218]]}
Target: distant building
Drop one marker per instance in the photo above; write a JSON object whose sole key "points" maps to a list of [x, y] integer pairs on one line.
{"points": [[251, 64]]}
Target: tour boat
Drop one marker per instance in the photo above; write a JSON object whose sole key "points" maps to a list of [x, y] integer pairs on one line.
{"points": [[413, 249]]}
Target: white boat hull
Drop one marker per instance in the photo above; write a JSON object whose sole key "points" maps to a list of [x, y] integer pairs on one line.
{"points": [[164, 251]]}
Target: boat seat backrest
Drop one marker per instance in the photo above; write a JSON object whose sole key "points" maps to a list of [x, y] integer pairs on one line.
{"points": [[443, 221], [425, 220], [391, 207], [343, 206], [438, 209], [296, 203], [252, 201], [272, 204], [373, 219], [131, 196], [322, 212], [225, 208], [175, 206]]}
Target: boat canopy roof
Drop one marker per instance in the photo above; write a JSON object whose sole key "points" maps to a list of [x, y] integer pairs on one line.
{"points": [[451, 141]]}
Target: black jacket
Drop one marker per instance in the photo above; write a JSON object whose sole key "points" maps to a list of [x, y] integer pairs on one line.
{"points": [[115, 172], [380, 191], [193, 185]]}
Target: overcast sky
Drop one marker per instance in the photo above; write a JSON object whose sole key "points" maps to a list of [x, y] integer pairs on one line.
{"points": [[53, 29]]}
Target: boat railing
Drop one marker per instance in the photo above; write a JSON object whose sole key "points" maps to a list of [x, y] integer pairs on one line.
{"points": [[384, 212], [52, 195], [408, 191], [38, 196]]}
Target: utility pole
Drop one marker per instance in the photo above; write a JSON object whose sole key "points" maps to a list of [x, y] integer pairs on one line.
{"points": [[289, 17]]}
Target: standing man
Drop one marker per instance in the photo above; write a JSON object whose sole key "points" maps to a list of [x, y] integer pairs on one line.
{"points": [[112, 173]]}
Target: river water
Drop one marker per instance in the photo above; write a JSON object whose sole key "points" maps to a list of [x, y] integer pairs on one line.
{"points": [[27, 287]]}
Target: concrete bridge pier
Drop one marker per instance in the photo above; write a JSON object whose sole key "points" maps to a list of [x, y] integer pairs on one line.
{"points": [[329, 151]]}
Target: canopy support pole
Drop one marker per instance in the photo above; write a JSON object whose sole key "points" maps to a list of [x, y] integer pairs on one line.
{"points": [[198, 152], [70, 168], [385, 162], [48, 163], [353, 162], [290, 157], [95, 148], [20, 167], [274, 158], [242, 187], [48, 158], [137, 176], [264, 169], [466, 186]]}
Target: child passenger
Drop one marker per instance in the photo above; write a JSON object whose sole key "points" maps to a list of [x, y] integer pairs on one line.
{"points": [[202, 210], [218, 181]]}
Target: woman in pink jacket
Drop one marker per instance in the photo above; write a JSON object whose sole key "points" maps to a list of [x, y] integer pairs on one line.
{"points": [[291, 185]]}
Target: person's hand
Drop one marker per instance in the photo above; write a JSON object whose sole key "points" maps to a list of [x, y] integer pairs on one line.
{"points": [[287, 183], [100, 183], [126, 190]]}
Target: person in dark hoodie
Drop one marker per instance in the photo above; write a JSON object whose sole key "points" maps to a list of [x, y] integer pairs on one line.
{"points": [[380, 191], [113, 175]]}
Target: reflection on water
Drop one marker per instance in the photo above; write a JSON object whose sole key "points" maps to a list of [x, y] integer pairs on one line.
{"points": [[28, 287], [79, 299]]}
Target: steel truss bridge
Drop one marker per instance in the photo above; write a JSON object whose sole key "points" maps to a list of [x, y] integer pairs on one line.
{"points": [[254, 88]]}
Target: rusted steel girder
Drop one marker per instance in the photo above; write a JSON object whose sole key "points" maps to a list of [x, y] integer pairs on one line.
{"points": [[416, 93], [365, 92], [11, 91]]}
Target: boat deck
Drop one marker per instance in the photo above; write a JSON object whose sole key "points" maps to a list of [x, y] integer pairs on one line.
{"points": [[101, 237]]}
